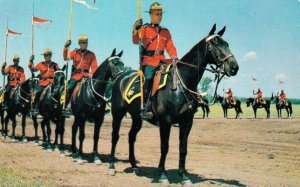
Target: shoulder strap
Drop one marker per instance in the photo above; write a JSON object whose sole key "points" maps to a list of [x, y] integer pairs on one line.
{"points": [[147, 46]]}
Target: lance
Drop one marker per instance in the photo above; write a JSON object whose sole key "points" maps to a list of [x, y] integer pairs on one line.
{"points": [[67, 64], [5, 50], [140, 72]]}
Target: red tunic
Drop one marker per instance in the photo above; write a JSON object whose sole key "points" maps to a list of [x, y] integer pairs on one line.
{"points": [[82, 64], [229, 95], [162, 42], [46, 72], [283, 96], [16, 75], [259, 94]]}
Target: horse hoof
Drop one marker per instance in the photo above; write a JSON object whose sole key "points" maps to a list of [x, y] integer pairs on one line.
{"points": [[164, 182], [79, 161], [36, 141], [13, 140], [56, 148], [111, 171], [187, 183], [62, 152], [136, 171], [24, 140], [97, 161], [49, 149]]}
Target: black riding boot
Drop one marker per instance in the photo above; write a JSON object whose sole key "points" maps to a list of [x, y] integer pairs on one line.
{"points": [[35, 106], [5, 102], [147, 113]]}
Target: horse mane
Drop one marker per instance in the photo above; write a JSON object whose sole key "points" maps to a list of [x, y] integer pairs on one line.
{"points": [[193, 51], [100, 69]]}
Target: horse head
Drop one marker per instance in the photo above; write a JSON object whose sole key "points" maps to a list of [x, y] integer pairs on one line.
{"points": [[59, 80], [219, 54], [113, 66]]}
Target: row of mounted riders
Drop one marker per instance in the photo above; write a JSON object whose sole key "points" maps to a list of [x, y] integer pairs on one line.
{"points": [[175, 103], [256, 102]]}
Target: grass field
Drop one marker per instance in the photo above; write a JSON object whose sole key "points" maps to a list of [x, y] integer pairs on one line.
{"points": [[217, 112]]}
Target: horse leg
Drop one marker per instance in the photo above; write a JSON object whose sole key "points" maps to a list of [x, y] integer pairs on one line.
{"points": [[98, 124], [7, 117], [236, 112], [116, 123], [203, 111], [36, 125], [2, 123], [49, 147], [74, 133], [135, 128], [14, 124], [164, 129], [43, 125], [255, 110], [62, 132], [55, 143], [184, 132], [24, 139], [81, 139]]}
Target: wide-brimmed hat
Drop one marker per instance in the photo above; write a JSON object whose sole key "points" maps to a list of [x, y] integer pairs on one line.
{"points": [[16, 57], [83, 38], [47, 51], [156, 6]]}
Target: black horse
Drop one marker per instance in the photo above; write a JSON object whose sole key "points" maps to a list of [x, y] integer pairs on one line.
{"points": [[281, 105], [225, 106], [20, 103], [257, 105], [89, 104], [2, 115], [50, 108], [176, 103], [203, 103]]}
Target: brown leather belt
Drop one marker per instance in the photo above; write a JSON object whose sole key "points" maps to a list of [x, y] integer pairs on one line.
{"points": [[81, 70], [151, 53], [15, 79], [45, 78]]}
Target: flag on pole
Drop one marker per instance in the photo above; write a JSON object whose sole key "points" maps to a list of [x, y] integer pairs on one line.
{"points": [[12, 34], [89, 6], [255, 79], [37, 21], [281, 82]]}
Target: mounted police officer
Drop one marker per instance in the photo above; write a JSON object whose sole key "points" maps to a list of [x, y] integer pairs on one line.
{"points": [[15, 76], [258, 95], [46, 69], [84, 65], [282, 97], [155, 40], [229, 98]]}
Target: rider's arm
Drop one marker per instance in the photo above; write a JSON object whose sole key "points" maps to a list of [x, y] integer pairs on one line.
{"points": [[93, 64], [22, 78], [171, 49], [5, 71], [135, 35]]}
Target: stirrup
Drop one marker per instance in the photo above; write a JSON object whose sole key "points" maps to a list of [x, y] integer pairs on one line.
{"points": [[66, 112], [146, 113]]}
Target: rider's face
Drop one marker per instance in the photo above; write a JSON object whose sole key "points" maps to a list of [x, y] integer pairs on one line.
{"points": [[156, 17], [83, 45], [47, 57]]}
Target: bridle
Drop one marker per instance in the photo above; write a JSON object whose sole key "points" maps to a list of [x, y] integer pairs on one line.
{"points": [[218, 70], [112, 66]]}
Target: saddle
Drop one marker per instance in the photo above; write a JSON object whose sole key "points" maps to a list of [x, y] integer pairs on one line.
{"points": [[76, 92], [44, 92], [12, 91], [261, 101], [231, 101], [133, 90]]}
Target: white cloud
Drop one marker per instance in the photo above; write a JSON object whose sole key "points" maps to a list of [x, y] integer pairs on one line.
{"points": [[280, 76], [251, 55]]}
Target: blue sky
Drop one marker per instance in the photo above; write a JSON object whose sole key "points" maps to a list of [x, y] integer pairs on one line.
{"points": [[263, 34]]}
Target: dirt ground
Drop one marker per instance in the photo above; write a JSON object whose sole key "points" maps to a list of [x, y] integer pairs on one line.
{"points": [[221, 152]]}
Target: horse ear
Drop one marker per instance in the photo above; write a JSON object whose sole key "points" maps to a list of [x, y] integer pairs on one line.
{"points": [[213, 29], [114, 52], [221, 32], [120, 54]]}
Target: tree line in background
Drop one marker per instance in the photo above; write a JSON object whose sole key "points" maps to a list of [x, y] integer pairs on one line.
{"points": [[204, 86]]}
